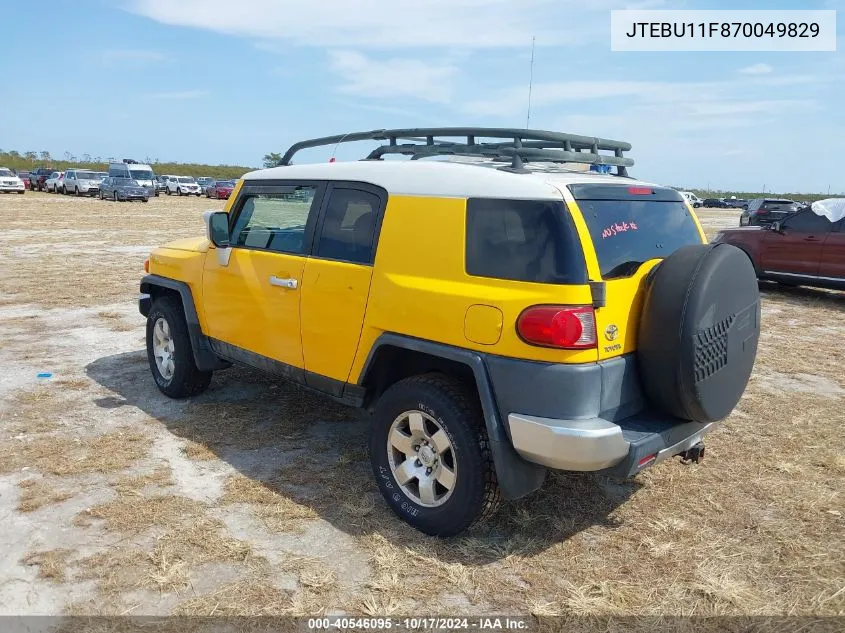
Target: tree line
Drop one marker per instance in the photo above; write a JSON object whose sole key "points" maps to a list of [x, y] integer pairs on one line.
{"points": [[25, 161]]}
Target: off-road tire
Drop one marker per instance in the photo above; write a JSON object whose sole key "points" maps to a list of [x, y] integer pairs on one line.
{"points": [[187, 380], [458, 411]]}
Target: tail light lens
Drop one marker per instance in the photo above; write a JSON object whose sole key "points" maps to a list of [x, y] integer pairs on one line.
{"points": [[762, 211], [566, 327]]}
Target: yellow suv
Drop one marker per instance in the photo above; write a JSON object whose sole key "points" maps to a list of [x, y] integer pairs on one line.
{"points": [[503, 306]]}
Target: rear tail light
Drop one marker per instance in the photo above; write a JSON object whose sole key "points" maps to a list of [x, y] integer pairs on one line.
{"points": [[566, 327], [762, 211]]}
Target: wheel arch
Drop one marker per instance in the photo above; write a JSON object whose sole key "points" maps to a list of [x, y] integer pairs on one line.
{"points": [[394, 357], [154, 287]]}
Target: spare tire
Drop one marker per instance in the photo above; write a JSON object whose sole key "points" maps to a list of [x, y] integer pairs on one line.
{"points": [[698, 331]]}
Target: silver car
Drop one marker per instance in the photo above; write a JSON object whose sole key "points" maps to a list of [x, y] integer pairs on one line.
{"points": [[82, 182]]}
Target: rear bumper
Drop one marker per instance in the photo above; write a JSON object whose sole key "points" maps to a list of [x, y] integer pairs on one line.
{"points": [[586, 417], [595, 444]]}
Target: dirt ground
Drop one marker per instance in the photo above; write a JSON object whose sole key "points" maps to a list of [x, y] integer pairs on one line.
{"points": [[256, 498]]}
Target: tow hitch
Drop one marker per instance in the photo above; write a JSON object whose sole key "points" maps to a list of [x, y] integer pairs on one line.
{"points": [[693, 454]]}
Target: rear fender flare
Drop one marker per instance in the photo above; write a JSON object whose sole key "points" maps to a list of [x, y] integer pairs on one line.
{"points": [[516, 477]]}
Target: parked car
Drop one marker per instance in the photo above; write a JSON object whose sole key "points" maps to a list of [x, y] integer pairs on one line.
{"points": [[204, 182], [161, 184], [123, 189], [81, 182], [9, 182], [24, 176], [693, 199], [714, 203], [38, 178], [220, 189], [142, 174], [762, 211], [736, 203], [183, 186], [53, 184], [805, 248], [495, 360]]}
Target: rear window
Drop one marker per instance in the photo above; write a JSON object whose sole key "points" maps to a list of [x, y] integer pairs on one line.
{"points": [[629, 229], [523, 240]]}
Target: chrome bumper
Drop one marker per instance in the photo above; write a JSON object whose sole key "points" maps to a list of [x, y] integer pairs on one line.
{"points": [[588, 445]]}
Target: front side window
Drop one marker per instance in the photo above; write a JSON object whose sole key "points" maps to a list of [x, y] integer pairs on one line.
{"points": [[349, 226], [808, 222], [523, 240], [275, 221]]}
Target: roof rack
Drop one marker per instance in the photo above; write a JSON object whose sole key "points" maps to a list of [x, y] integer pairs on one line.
{"points": [[521, 146]]}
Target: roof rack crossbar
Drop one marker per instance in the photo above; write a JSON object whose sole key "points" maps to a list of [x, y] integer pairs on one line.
{"points": [[522, 145]]}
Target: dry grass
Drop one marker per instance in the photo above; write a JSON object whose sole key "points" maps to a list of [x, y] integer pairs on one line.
{"points": [[62, 455], [277, 511], [37, 493], [134, 514], [168, 565], [52, 564], [249, 597], [127, 485]]}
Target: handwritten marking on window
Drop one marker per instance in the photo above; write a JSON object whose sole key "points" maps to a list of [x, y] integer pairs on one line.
{"points": [[618, 227]]}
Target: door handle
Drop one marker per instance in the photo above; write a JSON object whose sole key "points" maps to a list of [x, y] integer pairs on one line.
{"points": [[284, 283]]}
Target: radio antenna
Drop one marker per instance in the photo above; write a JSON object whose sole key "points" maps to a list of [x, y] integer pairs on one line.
{"points": [[530, 84]]}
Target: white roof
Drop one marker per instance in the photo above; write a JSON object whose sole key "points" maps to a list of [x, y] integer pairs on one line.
{"points": [[440, 178]]}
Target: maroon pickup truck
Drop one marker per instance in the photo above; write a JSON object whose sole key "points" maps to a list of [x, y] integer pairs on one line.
{"points": [[803, 249], [38, 176]]}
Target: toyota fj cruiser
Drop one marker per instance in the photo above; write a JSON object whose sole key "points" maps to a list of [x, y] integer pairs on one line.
{"points": [[502, 311]]}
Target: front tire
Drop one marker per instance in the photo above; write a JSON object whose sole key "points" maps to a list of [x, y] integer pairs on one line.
{"points": [[169, 351], [431, 456]]}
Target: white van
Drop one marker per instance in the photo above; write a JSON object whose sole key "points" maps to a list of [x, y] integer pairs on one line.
{"points": [[693, 199], [142, 174]]}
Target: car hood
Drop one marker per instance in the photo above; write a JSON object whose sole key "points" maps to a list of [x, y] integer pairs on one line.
{"points": [[194, 244]]}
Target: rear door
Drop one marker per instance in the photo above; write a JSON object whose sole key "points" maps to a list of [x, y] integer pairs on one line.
{"points": [[797, 248], [336, 282], [832, 264], [632, 228]]}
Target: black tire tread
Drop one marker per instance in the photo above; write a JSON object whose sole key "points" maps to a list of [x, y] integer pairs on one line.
{"points": [[466, 401], [193, 381]]}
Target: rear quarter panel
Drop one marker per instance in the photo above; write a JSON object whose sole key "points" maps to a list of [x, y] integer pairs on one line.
{"points": [[420, 287]]}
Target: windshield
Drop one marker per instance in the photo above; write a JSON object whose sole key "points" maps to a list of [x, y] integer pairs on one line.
{"points": [[225, 183], [86, 175], [5, 172], [184, 179], [628, 232], [141, 174], [102, 174], [125, 182]]}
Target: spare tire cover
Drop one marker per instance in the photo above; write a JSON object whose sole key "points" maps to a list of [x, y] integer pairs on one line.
{"points": [[698, 331]]}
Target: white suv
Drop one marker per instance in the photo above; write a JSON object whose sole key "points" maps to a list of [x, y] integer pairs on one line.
{"points": [[9, 182], [183, 186], [82, 182]]}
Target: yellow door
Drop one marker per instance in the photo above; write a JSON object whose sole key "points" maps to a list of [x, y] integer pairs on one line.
{"points": [[336, 282], [248, 306], [251, 291]]}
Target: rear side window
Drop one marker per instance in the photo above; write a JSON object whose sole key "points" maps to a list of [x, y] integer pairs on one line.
{"points": [[523, 240], [349, 226], [629, 229]]}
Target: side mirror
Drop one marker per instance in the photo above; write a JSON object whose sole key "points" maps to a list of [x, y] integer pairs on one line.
{"points": [[217, 226]]}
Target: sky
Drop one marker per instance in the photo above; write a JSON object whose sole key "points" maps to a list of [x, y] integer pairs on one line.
{"points": [[226, 81]]}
